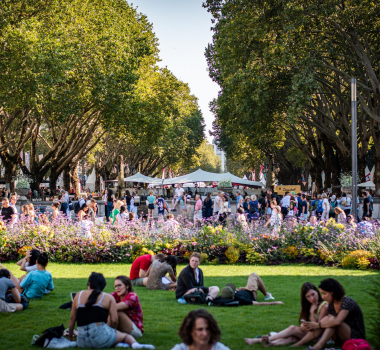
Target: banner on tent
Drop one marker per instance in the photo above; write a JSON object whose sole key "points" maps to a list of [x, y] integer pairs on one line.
{"points": [[287, 188]]}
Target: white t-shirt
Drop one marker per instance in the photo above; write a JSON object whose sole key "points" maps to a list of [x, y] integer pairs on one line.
{"points": [[285, 202], [15, 217], [217, 204], [179, 192], [30, 268], [121, 219]]}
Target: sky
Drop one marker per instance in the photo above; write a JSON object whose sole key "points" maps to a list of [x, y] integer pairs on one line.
{"points": [[183, 31]]}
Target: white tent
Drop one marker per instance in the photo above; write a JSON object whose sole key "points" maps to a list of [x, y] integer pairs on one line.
{"points": [[204, 176], [368, 184], [90, 183], [143, 179]]}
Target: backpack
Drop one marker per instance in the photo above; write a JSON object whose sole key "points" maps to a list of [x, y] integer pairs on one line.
{"points": [[319, 205], [49, 334], [356, 344], [332, 206], [196, 298], [76, 207], [252, 207]]}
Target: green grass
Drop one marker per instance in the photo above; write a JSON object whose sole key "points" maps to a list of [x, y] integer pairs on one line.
{"points": [[162, 313]]}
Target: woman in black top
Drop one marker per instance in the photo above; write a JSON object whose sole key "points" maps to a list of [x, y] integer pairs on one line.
{"points": [[90, 310], [128, 199], [208, 203], [345, 317], [191, 279]]}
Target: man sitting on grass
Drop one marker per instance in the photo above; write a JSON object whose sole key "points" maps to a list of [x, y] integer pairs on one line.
{"points": [[245, 295], [38, 282]]}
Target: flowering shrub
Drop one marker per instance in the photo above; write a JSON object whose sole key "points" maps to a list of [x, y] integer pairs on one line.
{"points": [[324, 244]]}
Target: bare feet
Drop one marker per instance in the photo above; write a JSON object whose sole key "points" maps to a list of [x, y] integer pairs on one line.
{"points": [[252, 341]]}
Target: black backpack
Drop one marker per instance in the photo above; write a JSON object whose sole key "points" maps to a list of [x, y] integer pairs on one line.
{"points": [[196, 298], [50, 333]]}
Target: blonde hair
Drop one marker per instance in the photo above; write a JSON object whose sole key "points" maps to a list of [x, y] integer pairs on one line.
{"points": [[151, 192], [30, 206], [118, 204]]}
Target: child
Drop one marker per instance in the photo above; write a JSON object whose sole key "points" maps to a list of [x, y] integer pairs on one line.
{"points": [[241, 217], [122, 217], [36, 282], [183, 206], [161, 206], [87, 226], [29, 263], [55, 207]]}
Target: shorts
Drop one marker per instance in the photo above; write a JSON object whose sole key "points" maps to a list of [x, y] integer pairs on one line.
{"points": [[96, 335], [136, 331], [151, 206], [138, 282], [198, 215], [7, 307], [269, 211]]}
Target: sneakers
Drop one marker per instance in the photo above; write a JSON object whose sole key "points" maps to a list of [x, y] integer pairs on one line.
{"points": [[268, 297], [182, 301]]}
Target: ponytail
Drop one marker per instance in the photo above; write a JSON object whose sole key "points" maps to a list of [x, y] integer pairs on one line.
{"points": [[97, 282]]}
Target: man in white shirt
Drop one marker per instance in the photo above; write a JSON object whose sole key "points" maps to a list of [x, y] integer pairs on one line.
{"points": [[285, 204], [218, 202], [13, 205], [178, 194]]}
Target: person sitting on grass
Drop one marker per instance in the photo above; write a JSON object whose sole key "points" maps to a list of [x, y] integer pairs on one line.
{"points": [[140, 267], [313, 308], [157, 275], [191, 279], [246, 295], [129, 309], [38, 282], [7, 285], [344, 320], [29, 263], [90, 310], [199, 331]]}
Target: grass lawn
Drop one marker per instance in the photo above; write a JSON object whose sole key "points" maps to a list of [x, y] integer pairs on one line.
{"points": [[162, 313]]}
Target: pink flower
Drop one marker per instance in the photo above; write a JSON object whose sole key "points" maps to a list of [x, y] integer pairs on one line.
{"points": [[194, 243]]}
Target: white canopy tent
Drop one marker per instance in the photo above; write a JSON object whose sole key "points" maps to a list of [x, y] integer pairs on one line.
{"points": [[204, 176], [368, 184], [143, 179]]}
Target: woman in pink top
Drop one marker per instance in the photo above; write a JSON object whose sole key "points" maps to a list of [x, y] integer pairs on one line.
{"points": [[198, 209]]}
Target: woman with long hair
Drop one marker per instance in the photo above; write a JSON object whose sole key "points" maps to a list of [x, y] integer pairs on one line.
{"points": [[344, 320], [90, 310], [129, 309], [157, 274], [313, 308]]}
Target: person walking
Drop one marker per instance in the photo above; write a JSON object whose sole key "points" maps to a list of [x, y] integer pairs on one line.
{"points": [[209, 204]]}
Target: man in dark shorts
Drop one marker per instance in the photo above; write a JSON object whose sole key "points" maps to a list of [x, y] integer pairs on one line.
{"points": [[7, 212]]}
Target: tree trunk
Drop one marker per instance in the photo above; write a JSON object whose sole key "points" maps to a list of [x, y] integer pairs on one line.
{"points": [[97, 179], [376, 174], [53, 180], [10, 172], [75, 179], [66, 179], [120, 186], [269, 178]]}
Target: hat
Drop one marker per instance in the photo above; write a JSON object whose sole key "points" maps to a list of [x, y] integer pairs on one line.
{"points": [[231, 285], [293, 193], [227, 293]]}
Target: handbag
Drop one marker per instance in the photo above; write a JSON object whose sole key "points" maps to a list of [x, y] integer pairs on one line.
{"points": [[49, 334], [356, 344], [196, 298]]}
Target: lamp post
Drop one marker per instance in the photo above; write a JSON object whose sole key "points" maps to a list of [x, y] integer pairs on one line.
{"points": [[354, 113]]}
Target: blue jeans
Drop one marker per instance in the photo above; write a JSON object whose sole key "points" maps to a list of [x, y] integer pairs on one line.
{"points": [[109, 209]]}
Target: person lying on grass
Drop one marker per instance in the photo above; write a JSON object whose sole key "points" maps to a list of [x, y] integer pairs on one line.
{"points": [[199, 331], [157, 276], [344, 320], [128, 306], [38, 282], [7, 285], [90, 310], [313, 309], [246, 295], [191, 279]]}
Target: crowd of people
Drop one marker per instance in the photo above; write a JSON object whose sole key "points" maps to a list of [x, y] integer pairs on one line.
{"points": [[105, 320]]}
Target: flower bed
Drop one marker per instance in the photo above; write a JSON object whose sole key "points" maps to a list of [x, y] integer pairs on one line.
{"points": [[329, 244]]}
